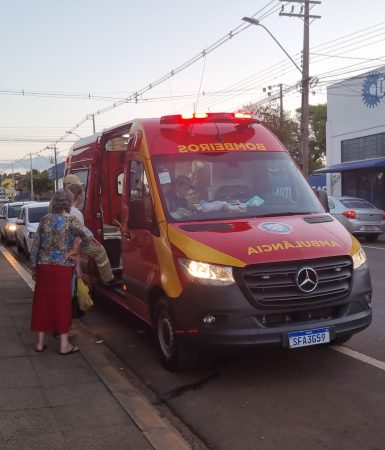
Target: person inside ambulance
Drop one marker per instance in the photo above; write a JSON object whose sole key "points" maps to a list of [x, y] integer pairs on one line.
{"points": [[177, 201], [200, 180]]}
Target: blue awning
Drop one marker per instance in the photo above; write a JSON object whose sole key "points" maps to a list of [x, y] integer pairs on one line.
{"points": [[353, 165]]}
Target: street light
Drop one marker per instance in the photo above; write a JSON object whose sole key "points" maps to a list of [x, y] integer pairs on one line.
{"points": [[257, 22], [304, 144]]}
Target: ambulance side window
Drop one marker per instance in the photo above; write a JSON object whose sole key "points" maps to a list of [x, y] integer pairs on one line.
{"points": [[141, 208]]}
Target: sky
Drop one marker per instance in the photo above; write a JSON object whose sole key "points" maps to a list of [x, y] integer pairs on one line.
{"points": [[64, 61]]}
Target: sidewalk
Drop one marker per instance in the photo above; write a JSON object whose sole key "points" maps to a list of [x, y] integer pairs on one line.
{"points": [[80, 401]]}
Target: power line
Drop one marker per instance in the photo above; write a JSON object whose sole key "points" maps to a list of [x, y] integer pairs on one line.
{"points": [[249, 84]]}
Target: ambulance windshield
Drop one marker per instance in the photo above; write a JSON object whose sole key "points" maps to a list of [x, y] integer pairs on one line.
{"points": [[232, 185]]}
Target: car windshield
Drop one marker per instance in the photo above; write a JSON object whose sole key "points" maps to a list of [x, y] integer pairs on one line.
{"points": [[35, 214], [13, 211], [357, 204], [232, 185]]}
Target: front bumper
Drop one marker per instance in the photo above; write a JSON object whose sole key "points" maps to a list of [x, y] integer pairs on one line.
{"points": [[239, 323]]}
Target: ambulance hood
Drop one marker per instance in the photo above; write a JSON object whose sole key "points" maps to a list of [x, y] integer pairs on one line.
{"points": [[262, 240]]}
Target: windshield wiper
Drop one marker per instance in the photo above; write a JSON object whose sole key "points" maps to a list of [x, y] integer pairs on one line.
{"points": [[286, 213]]}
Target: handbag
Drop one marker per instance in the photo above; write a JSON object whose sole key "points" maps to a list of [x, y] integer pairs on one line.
{"points": [[83, 295], [76, 311]]}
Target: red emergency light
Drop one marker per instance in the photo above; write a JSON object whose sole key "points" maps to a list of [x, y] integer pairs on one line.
{"points": [[238, 118]]}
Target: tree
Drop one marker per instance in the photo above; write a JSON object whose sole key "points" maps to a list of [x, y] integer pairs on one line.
{"points": [[287, 131], [317, 135], [41, 184]]}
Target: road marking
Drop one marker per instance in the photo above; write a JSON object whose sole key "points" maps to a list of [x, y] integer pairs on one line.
{"points": [[360, 356], [25, 275], [376, 248]]}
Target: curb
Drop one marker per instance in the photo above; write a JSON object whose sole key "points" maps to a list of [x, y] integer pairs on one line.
{"points": [[157, 430]]}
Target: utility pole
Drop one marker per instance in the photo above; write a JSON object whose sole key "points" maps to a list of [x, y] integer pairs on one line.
{"points": [[30, 161], [305, 15], [55, 156], [93, 123], [54, 148], [13, 184]]}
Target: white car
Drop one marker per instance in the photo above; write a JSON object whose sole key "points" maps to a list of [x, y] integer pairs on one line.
{"points": [[8, 215], [27, 223]]}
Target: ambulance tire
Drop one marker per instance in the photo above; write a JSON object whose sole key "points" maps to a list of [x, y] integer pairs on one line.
{"points": [[173, 352]]}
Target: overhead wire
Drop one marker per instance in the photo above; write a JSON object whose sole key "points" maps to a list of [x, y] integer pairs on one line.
{"points": [[135, 95], [249, 83]]}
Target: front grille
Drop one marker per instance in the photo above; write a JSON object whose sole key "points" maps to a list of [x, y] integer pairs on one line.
{"points": [[289, 317], [274, 285]]}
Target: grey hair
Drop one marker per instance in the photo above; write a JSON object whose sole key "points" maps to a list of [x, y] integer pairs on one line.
{"points": [[62, 201]]}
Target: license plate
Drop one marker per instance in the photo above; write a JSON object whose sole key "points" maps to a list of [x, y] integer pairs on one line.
{"points": [[370, 228], [308, 337]]}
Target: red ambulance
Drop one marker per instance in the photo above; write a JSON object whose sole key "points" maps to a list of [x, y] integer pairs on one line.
{"points": [[217, 237]]}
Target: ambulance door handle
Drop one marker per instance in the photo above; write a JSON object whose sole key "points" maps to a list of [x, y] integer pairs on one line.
{"points": [[127, 234]]}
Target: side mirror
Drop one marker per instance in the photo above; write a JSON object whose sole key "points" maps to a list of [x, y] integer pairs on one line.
{"points": [[20, 222], [323, 198]]}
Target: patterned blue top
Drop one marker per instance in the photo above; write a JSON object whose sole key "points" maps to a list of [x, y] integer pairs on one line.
{"points": [[54, 239]]}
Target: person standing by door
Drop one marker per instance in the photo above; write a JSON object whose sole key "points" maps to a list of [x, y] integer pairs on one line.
{"points": [[52, 269], [95, 249]]}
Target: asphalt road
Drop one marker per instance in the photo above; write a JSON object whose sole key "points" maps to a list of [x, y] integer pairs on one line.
{"points": [[271, 399]]}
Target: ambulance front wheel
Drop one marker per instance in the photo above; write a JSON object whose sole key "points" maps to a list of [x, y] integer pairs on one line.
{"points": [[172, 350]]}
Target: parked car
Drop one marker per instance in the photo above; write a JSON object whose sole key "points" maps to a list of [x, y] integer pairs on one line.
{"points": [[8, 215], [27, 223], [359, 216]]}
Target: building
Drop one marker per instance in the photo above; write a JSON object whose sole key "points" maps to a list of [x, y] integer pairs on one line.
{"points": [[57, 172], [355, 137], [7, 188]]}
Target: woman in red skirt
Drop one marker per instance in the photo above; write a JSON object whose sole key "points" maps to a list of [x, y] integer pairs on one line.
{"points": [[52, 269]]}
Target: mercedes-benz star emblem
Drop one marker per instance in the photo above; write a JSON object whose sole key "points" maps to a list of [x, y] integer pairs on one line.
{"points": [[307, 279]]}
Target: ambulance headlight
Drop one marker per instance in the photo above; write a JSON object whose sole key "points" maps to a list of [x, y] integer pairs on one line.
{"points": [[12, 227], [207, 273], [359, 258]]}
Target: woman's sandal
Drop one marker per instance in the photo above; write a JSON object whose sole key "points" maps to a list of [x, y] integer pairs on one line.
{"points": [[40, 350], [74, 349]]}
